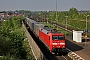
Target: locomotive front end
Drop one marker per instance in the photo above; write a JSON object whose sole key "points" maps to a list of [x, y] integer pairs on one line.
{"points": [[58, 43]]}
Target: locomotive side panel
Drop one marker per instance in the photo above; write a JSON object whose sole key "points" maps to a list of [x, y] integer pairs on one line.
{"points": [[44, 38]]}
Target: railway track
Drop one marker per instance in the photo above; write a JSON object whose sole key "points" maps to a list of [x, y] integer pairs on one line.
{"points": [[46, 52], [62, 56], [63, 28]]}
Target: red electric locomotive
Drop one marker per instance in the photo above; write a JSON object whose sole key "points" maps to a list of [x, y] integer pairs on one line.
{"points": [[54, 40]]}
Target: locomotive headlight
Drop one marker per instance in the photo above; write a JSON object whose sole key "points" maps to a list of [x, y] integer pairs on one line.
{"points": [[54, 43], [62, 43]]}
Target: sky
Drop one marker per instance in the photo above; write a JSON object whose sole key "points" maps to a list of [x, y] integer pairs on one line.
{"points": [[44, 5]]}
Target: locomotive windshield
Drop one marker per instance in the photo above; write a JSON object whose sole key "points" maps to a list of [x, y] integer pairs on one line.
{"points": [[57, 37]]}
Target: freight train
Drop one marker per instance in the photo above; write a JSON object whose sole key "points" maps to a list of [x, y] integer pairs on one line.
{"points": [[52, 39]]}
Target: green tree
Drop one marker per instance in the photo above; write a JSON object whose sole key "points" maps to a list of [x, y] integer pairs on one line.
{"points": [[12, 38], [72, 13]]}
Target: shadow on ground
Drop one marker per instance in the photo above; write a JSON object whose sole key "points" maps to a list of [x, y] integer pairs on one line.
{"points": [[72, 46]]}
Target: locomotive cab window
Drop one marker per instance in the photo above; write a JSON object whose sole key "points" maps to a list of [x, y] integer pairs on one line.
{"points": [[57, 37], [60, 37]]}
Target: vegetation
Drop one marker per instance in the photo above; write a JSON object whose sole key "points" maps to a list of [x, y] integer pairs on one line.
{"points": [[75, 19], [13, 45], [25, 12]]}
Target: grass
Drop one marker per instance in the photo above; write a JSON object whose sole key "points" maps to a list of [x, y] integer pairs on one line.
{"points": [[59, 29]]}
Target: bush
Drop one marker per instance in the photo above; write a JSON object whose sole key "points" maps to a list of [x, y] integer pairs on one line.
{"points": [[11, 39]]}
